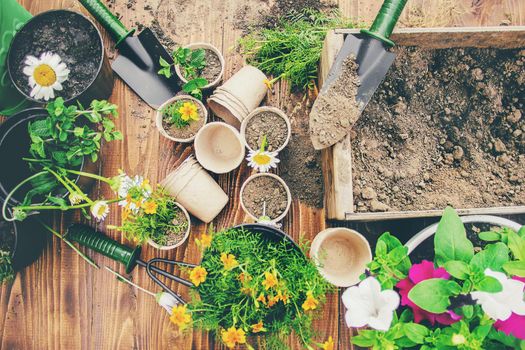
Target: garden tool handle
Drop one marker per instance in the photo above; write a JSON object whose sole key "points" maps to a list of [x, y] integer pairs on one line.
{"points": [[108, 20], [99, 242], [386, 20], [150, 269]]}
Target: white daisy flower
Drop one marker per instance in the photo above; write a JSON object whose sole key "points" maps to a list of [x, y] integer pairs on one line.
{"points": [[99, 210], [167, 301], [135, 192], [46, 74], [263, 161], [75, 198]]}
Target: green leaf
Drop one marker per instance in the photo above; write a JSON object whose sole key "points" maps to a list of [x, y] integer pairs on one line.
{"points": [[39, 128], [516, 268], [492, 257], [164, 63], [450, 240], [365, 338], [381, 248], [416, 332], [489, 236], [517, 246], [468, 311], [458, 269], [489, 284], [521, 231], [433, 295]]}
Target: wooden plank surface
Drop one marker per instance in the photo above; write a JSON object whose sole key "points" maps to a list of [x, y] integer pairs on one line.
{"points": [[61, 303]]}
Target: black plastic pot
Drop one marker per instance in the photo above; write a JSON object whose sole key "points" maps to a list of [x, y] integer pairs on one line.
{"points": [[101, 83]]}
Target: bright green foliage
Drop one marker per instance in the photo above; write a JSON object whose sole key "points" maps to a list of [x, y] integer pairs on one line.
{"points": [[433, 294], [450, 240], [232, 297], [174, 116], [7, 274], [293, 49]]}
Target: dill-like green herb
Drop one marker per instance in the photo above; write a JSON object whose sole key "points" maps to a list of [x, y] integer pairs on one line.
{"points": [[7, 274]]}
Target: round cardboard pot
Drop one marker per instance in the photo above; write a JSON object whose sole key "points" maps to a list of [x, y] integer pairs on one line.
{"points": [[100, 85], [234, 100], [195, 190], [219, 148], [226, 111], [288, 194], [247, 86], [12, 18], [14, 146], [186, 234], [341, 255], [263, 109], [234, 103], [159, 117], [205, 46]]}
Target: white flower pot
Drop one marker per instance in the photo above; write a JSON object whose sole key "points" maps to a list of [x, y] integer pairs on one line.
{"points": [[186, 234], [259, 110], [341, 255], [195, 190], [219, 148], [206, 46], [159, 117]]}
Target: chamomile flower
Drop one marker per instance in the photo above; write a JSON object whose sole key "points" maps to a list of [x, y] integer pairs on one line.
{"points": [[99, 210], [263, 161], [135, 192], [75, 198], [46, 74]]}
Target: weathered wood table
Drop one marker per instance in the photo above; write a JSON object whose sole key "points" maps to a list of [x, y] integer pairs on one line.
{"points": [[60, 302]]}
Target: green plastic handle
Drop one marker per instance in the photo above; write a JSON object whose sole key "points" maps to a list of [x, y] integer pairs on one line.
{"points": [[99, 242], [386, 20], [108, 20]]}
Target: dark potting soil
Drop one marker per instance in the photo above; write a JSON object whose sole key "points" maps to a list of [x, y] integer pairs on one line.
{"points": [[213, 66], [446, 127], [75, 41], [188, 131], [172, 238], [336, 110], [268, 124], [7, 236], [265, 189]]}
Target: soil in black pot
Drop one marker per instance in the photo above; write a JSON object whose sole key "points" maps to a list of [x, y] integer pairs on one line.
{"points": [[7, 236], [187, 131], [72, 37], [268, 124], [265, 189], [174, 237]]}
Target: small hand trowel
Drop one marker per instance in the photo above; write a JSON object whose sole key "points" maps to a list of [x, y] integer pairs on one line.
{"points": [[371, 51], [138, 62]]}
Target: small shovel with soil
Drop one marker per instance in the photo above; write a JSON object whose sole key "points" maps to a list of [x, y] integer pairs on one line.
{"points": [[138, 62], [359, 68]]}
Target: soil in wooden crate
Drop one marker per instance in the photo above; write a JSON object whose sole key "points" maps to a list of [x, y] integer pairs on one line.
{"points": [[267, 193], [268, 124], [445, 128]]}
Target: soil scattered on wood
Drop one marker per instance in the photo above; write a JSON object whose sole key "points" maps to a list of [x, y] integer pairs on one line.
{"points": [[265, 190], [336, 110], [75, 41], [186, 132], [268, 124], [445, 128]]}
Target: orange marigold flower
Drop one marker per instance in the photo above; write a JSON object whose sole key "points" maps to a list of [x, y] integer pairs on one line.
{"points": [[150, 207], [243, 277], [198, 275], [270, 280], [329, 344], [310, 303], [258, 327], [233, 336], [205, 241], [272, 300], [261, 298], [229, 261], [125, 214], [180, 316]]}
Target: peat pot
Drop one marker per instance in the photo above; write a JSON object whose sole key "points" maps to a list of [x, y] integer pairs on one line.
{"points": [[191, 130], [182, 240], [220, 58], [195, 190], [79, 44]]}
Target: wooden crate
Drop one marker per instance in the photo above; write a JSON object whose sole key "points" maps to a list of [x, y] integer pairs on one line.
{"points": [[337, 160]]}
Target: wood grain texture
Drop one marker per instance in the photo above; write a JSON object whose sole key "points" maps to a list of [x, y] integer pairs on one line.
{"points": [[60, 302]]}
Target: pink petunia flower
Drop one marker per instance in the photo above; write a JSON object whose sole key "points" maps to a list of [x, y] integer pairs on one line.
{"points": [[515, 324], [421, 272]]}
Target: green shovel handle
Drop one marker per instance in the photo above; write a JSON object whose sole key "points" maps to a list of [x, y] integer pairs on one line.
{"points": [[97, 241], [108, 20], [386, 20]]}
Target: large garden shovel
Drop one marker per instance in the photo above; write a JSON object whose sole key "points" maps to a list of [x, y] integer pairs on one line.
{"points": [[371, 51], [138, 62]]}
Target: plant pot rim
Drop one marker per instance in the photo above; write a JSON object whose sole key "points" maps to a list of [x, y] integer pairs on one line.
{"points": [[430, 230], [325, 234], [38, 17], [186, 234], [235, 132], [204, 45], [262, 109], [278, 178], [232, 103], [230, 116], [159, 117], [226, 94]]}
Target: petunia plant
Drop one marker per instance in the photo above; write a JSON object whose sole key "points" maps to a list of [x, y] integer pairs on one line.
{"points": [[465, 298]]}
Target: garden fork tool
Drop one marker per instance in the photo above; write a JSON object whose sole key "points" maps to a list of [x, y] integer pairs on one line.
{"points": [[138, 63], [129, 257]]}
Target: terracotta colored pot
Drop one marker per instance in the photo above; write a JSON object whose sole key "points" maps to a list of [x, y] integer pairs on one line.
{"points": [[259, 110], [159, 116], [186, 234]]}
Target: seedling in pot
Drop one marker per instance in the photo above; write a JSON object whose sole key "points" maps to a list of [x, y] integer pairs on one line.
{"points": [[180, 118]]}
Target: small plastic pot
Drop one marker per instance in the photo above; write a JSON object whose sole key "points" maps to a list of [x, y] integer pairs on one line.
{"points": [[195, 190], [341, 255], [288, 194], [219, 148], [273, 110], [159, 117], [186, 234], [100, 85], [205, 46]]}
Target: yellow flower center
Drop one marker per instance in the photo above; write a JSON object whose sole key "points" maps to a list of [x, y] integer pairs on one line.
{"points": [[262, 159], [101, 210], [44, 75]]}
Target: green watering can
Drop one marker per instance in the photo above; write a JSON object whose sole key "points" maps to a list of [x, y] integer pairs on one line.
{"points": [[12, 17]]}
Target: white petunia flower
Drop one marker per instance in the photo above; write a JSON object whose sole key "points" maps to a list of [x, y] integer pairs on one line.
{"points": [[167, 301], [135, 192], [46, 74], [367, 305], [501, 305], [263, 161], [99, 210]]}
